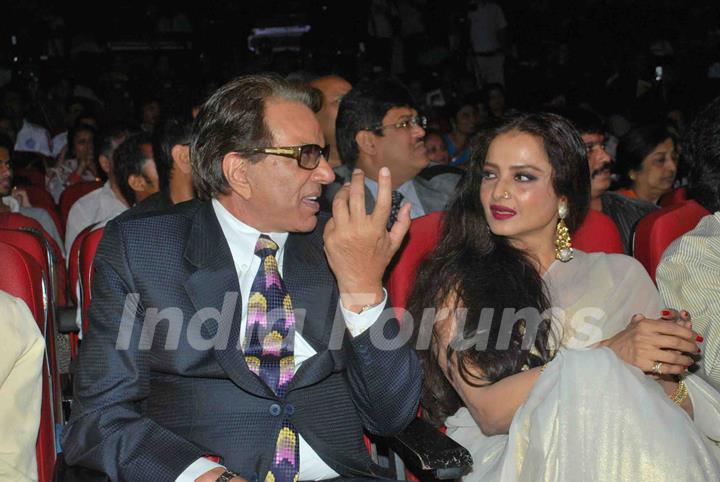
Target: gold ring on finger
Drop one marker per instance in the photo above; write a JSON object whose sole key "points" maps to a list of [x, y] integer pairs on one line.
{"points": [[657, 368]]}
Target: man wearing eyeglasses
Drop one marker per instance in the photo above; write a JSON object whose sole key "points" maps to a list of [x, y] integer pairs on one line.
{"points": [[624, 211], [241, 336], [377, 126]]}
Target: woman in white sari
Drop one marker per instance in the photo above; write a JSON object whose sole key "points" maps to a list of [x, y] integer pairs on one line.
{"points": [[545, 365]]}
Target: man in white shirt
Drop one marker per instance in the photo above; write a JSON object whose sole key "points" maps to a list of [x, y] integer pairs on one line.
{"points": [[242, 335], [101, 204], [16, 200]]}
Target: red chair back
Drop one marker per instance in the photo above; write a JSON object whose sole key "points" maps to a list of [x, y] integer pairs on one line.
{"points": [[83, 253], [74, 192], [40, 198], [73, 258], [33, 176], [87, 255], [598, 234], [422, 237], [23, 278], [656, 231], [676, 196], [58, 280]]}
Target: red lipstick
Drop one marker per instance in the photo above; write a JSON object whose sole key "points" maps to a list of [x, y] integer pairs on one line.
{"points": [[501, 212]]}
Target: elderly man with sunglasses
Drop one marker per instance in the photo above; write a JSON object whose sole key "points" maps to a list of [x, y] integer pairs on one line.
{"points": [[244, 335], [378, 126]]}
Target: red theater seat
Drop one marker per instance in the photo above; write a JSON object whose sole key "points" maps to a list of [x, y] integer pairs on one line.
{"points": [[40, 198], [676, 196], [17, 221], [656, 231], [598, 234], [85, 256]]}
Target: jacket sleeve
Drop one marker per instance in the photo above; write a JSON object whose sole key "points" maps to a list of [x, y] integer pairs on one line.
{"points": [[107, 431], [384, 374]]}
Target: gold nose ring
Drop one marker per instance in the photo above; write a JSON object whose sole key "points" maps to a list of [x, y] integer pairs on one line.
{"points": [[506, 195]]}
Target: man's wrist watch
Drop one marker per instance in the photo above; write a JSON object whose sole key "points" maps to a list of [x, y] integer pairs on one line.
{"points": [[226, 476]]}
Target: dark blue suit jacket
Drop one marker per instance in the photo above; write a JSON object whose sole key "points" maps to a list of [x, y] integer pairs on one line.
{"points": [[144, 411]]}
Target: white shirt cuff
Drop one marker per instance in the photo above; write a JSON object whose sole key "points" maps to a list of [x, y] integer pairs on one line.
{"points": [[359, 322], [196, 469]]}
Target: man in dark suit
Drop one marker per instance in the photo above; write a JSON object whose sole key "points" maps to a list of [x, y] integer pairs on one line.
{"points": [[242, 336], [378, 125]]}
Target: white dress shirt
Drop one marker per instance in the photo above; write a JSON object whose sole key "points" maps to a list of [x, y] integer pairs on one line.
{"points": [[241, 239], [96, 206], [407, 189]]}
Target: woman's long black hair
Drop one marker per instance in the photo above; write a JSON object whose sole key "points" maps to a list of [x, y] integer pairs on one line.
{"points": [[483, 271]]}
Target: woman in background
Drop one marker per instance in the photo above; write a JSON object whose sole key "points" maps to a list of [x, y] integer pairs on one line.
{"points": [[647, 163], [78, 164]]}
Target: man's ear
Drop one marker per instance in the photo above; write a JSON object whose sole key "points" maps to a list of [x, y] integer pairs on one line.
{"points": [[137, 182], [366, 142], [181, 158], [235, 168], [105, 163]]}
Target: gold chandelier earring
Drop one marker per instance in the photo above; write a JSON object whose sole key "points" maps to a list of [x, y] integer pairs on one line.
{"points": [[563, 244]]}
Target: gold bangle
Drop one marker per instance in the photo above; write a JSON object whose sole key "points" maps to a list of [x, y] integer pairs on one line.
{"points": [[681, 393], [542, 368]]}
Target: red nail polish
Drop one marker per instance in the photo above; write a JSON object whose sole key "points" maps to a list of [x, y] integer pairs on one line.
{"points": [[699, 350], [699, 339], [666, 312]]}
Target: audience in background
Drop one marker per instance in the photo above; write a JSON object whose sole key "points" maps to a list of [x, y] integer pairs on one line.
{"points": [[689, 272], [16, 200], [79, 163], [22, 350], [171, 150], [463, 121], [134, 168], [647, 161], [625, 211], [436, 148]]}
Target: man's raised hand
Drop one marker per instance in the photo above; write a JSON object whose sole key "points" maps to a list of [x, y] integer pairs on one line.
{"points": [[358, 245]]}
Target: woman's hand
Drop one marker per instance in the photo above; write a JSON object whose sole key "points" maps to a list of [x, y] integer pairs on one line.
{"points": [[644, 342]]}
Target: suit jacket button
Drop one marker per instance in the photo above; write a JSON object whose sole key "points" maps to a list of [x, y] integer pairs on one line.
{"points": [[275, 410], [289, 409]]}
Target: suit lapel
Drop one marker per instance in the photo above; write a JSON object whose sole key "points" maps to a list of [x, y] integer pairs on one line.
{"points": [[215, 276], [311, 286]]}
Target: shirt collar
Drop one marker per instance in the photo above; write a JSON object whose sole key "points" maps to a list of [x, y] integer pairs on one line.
{"points": [[372, 186], [242, 238], [12, 203]]}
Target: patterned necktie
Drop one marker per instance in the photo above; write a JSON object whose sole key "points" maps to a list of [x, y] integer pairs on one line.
{"points": [[269, 351], [397, 199]]}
